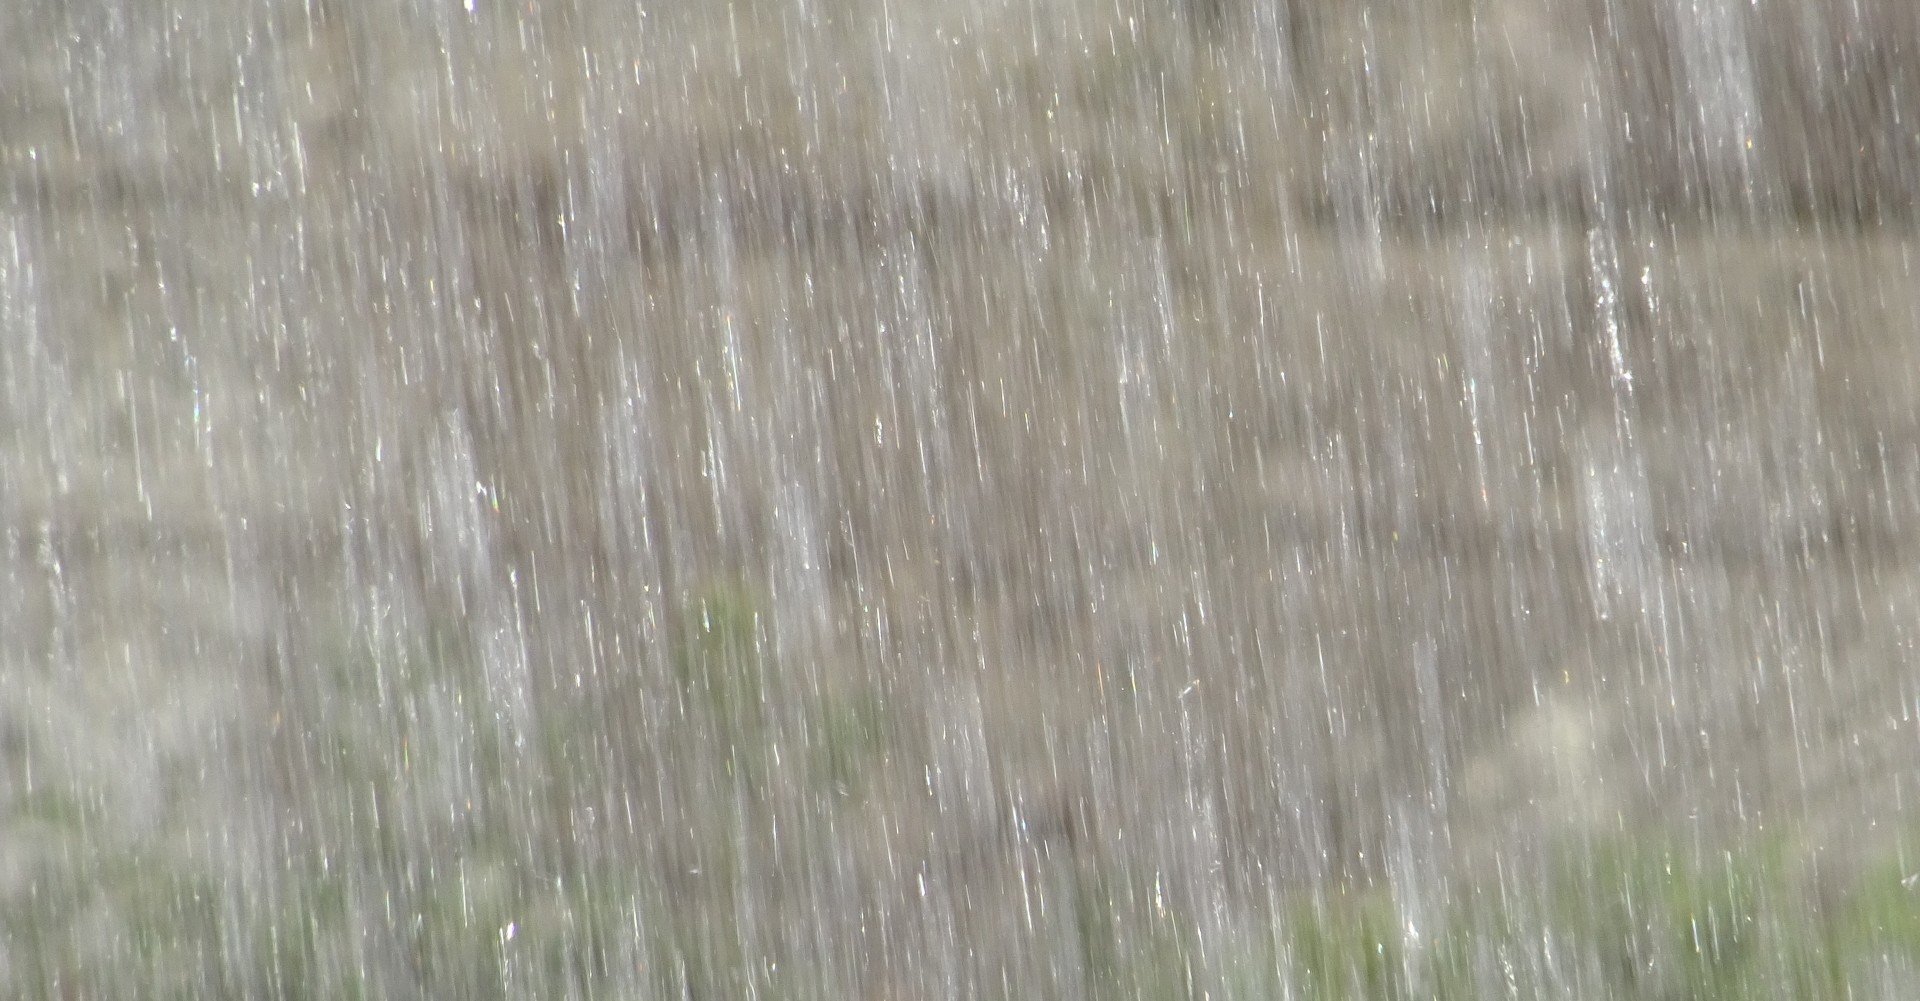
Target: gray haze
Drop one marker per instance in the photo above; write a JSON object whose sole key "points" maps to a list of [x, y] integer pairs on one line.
{"points": [[866, 499]]}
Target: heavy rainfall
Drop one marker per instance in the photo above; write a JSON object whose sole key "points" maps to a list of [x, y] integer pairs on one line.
{"points": [[867, 499]]}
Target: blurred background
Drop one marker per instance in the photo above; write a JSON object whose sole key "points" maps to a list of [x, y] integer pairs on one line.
{"points": [[1080, 499]]}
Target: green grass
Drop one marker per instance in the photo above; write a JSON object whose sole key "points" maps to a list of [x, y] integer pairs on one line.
{"points": [[394, 882]]}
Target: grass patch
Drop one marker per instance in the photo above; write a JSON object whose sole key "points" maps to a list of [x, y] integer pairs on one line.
{"points": [[420, 866]]}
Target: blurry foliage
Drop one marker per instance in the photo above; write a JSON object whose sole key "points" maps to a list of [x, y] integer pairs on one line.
{"points": [[1637, 918], [716, 654], [1128, 954], [851, 736], [414, 888]]}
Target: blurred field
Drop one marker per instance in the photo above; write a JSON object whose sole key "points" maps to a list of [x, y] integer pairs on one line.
{"points": [[1049, 499]]}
